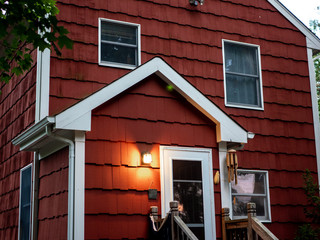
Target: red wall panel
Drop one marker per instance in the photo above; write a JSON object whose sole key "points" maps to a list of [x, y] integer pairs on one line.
{"points": [[53, 196], [17, 113]]}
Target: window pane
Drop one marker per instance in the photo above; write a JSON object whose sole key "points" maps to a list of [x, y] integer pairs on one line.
{"points": [[242, 90], [239, 205], [241, 59], [118, 54], [189, 195], [198, 231], [186, 170], [249, 183], [118, 33], [25, 203]]}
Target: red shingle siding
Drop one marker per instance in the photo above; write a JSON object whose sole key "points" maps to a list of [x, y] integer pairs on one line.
{"points": [[17, 111], [141, 119], [190, 40], [53, 196]]}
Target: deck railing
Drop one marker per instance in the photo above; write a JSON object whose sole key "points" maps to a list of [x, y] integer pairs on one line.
{"points": [[173, 224], [250, 228]]}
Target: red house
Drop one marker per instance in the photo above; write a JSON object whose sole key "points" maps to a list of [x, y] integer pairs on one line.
{"points": [[182, 81]]}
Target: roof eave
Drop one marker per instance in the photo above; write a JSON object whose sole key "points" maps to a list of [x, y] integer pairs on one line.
{"points": [[313, 41]]}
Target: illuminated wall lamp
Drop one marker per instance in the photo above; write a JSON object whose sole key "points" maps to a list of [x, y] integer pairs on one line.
{"points": [[146, 158]]}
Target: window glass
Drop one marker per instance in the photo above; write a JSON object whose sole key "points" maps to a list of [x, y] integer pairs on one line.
{"points": [[251, 187], [188, 191], [242, 75], [118, 33], [25, 203], [241, 89], [241, 59], [118, 44], [118, 54]]}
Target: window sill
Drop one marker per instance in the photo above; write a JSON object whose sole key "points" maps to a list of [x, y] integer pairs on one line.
{"points": [[245, 107], [245, 217], [117, 65]]}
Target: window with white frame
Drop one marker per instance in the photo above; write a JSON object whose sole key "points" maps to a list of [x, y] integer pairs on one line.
{"points": [[25, 202], [252, 187], [243, 85], [119, 43]]}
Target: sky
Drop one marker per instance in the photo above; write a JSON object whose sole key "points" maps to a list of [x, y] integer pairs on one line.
{"points": [[305, 10]]}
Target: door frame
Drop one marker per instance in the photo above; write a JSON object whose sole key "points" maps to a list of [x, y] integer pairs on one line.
{"points": [[167, 153]]}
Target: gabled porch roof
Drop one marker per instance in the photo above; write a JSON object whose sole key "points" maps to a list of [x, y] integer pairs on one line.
{"points": [[78, 117]]}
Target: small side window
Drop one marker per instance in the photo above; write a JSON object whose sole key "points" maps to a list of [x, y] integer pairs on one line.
{"points": [[243, 86], [252, 187], [119, 44], [25, 203]]}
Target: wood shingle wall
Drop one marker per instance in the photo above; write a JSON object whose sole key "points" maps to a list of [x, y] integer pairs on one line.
{"points": [[17, 111]]}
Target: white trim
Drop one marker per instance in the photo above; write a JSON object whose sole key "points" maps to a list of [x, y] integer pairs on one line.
{"points": [[43, 84], [315, 111], [30, 229], [239, 105], [267, 195], [79, 176], [119, 65], [312, 40], [224, 184], [34, 200], [226, 128], [167, 153]]}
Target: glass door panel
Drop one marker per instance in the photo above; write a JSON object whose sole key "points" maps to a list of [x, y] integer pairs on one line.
{"points": [[188, 191]]}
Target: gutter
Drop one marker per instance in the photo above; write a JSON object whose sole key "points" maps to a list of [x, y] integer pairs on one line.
{"points": [[33, 140]]}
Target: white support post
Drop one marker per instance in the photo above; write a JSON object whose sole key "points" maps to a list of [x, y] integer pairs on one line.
{"points": [[79, 181], [224, 184]]}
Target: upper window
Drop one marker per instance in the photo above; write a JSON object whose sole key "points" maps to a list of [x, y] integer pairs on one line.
{"points": [[25, 203], [252, 187], [243, 87], [119, 44]]}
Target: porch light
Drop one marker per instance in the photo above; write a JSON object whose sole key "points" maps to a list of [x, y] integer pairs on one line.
{"points": [[146, 158]]}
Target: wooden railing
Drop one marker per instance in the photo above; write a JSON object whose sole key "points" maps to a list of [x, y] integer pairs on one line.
{"points": [[179, 230], [250, 228]]}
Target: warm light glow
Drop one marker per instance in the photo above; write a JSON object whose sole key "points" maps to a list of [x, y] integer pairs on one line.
{"points": [[146, 158]]}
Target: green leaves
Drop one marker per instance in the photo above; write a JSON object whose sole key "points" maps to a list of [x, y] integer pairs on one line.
{"points": [[24, 26], [307, 231], [315, 26]]}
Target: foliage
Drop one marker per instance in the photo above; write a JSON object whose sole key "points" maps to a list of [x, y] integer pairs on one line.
{"points": [[317, 68], [24, 26], [308, 231]]}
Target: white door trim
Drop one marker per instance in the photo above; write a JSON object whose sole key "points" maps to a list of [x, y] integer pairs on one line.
{"points": [[167, 153]]}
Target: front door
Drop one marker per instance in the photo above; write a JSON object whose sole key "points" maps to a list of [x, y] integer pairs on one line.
{"points": [[187, 177]]}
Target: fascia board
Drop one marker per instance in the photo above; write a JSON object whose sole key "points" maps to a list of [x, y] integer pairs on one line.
{"points": [[313, 41], [34, 134], [227, 129]]}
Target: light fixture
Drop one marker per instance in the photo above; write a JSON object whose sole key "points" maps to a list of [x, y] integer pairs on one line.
{"points": [[146, 158], [196, 2]]}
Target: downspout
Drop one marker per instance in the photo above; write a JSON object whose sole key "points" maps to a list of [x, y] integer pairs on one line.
{"points": [[70, 180]]}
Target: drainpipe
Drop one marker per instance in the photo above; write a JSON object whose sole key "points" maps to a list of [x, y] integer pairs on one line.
{"points": [[70, 180]]}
